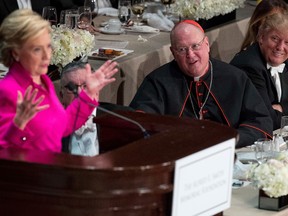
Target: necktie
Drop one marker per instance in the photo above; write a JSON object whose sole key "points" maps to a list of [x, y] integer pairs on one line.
{"points": [[275, 75]]}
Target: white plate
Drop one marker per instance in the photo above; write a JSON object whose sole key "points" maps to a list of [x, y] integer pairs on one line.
{"points": [[247, 157], [142, 29], [106, 31], [96, 57], [103, 24]]}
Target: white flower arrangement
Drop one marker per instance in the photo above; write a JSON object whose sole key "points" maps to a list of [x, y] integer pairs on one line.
{"points": [[68, 44], [206, 9], [271, 177]]}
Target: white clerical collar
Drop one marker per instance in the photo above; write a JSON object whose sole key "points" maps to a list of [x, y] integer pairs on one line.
{"points": [[276, 69]]}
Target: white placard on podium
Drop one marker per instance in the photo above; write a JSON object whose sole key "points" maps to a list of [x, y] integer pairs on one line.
{"points": [[203, 181]]}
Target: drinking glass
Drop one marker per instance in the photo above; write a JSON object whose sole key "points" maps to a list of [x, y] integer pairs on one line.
{"points": [[167, 4], [71, 18], [84, 18], [50, 13], [124, 10], [284, 129], [138, 7], [263, 150], [93, 5]]}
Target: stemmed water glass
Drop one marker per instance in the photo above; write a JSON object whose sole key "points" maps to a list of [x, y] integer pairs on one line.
{"points": [[167, 4], [124, 10], [263, 150], [138, 7], [50, 13]]}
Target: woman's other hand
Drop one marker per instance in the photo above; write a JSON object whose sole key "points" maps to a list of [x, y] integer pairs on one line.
{"points": [[27, 107]]}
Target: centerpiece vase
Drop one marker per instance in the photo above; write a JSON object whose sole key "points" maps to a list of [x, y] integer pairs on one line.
{"points": [[272, 203], [217, 20]]}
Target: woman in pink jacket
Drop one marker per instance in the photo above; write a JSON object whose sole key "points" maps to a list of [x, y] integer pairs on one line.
{"points": [[31, 115]]}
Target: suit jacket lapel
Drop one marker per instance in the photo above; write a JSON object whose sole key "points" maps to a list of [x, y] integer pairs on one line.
{"points": [[273, 83], [284, 82], [10, 5]]}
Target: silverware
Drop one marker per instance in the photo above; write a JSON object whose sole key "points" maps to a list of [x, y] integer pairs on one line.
{"points": [[109, 40]]}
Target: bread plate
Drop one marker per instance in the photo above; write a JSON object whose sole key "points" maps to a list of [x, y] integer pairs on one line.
{"points": [[107, 53]]}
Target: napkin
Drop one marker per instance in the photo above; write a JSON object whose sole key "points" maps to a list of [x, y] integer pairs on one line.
{"points": [[88, 126], [240, 170], [108, 11], [159, 21]]}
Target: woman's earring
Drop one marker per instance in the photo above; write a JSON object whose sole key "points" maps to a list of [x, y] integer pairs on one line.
{"points": [[16, 58]]}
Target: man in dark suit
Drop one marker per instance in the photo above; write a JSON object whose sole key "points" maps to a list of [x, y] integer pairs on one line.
{"points": [[265, 62], [194, 85]]}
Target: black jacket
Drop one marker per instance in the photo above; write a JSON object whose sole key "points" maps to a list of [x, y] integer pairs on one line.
{"points": [[233, 99], [253, 63]]}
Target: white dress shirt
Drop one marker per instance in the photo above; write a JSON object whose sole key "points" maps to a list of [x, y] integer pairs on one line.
{"points": [[24, 4], [275, 75]]}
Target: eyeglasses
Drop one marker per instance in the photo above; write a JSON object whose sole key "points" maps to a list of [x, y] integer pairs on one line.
{"points": [[193, 47], [81, 86]]}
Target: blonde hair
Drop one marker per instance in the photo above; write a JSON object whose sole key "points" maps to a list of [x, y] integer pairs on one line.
{"points": [[264, 8], [278, 21], [17, 28]]}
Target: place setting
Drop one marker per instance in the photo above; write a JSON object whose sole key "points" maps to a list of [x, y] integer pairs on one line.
{"points": [[264, 149], [260, 154], [133, 18], [113, 27]]}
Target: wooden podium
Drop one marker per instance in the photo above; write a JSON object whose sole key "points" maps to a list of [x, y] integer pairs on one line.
{"points": [[133, 175]]}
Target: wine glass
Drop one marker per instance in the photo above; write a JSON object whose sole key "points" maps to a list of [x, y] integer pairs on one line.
{"points": [[93, 5], [84, 18], [138, 7], [124, 10], [167, 4], [50, 13], [62, 17]]}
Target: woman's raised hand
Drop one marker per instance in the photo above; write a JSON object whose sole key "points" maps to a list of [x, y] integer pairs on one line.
{"points": [[98, 79]]}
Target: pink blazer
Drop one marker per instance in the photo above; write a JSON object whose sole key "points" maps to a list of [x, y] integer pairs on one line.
{"points": [[46, 129]]}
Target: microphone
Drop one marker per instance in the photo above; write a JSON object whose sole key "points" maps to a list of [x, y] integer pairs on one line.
{"points": [[74, 89]]}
